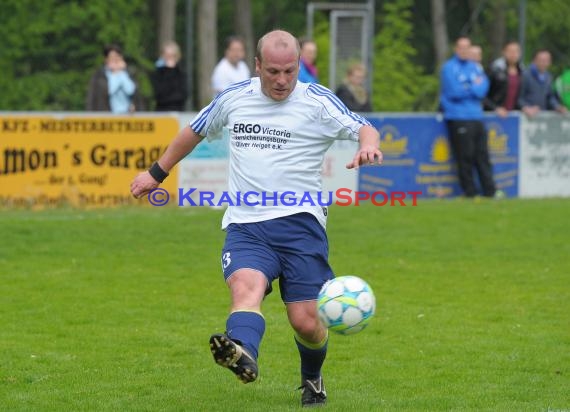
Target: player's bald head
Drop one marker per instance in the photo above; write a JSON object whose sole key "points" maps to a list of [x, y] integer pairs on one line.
{"points": [[278, 41], [277, 63]]}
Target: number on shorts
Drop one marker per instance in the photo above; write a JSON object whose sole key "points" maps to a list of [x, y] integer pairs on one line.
{"points": [[226, 260]]}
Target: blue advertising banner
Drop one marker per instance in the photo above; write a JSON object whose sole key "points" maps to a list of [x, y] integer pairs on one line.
{"points": [[503, 140], [417, 156], [215, 149]]}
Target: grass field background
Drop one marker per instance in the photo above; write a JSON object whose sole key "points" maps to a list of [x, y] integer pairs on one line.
{"points": [[111, 310]]}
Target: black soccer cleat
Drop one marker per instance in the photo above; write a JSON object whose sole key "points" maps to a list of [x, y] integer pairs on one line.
{"points": [[234, 357], [313, 393]]}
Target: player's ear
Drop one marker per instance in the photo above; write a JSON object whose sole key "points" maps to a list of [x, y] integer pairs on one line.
{"points": [[257, 66]]}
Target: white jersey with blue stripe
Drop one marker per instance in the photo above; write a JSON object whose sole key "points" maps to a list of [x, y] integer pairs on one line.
{"points": [[276, 147]]}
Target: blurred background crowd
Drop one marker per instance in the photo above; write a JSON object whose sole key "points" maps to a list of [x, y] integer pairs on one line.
{"points": [[169, 55]]}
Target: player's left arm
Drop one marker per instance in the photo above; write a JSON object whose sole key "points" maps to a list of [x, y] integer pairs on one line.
{"points": [[369, 152]]}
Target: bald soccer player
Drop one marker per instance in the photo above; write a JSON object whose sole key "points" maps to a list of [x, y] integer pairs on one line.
{"points": [[279, 132]]}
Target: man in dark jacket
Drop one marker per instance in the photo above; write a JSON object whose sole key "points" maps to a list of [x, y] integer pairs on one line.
{"points": [[505, 76], [463, 87], [536, 90]]}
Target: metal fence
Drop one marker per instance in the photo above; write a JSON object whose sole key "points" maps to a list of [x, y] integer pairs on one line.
{"points": [[351, 34]]}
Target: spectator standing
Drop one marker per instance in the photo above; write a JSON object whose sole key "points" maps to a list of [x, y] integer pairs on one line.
{"points": [[169, 81], [537, 92], [505, 77], [231, 68], [463, 87], [476, 54], [562, 87], [352, 92], [307, 70], [112, 87]]}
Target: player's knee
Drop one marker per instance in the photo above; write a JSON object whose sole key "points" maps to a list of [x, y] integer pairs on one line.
{"points": [[247, 288], [248, 280], [308, 327]]}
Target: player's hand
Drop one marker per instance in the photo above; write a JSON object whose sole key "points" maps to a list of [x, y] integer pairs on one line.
{"points": [[143, 184], [367, 155], [502, 112]]}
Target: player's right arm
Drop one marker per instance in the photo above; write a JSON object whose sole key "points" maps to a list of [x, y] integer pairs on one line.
{"points": [[186, 140]]}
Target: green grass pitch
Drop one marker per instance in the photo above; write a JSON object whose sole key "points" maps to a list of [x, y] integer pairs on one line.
{"points": [[112, 310]]}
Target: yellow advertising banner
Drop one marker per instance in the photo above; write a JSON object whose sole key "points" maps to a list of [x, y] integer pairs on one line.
{"points": [[82, 161]]}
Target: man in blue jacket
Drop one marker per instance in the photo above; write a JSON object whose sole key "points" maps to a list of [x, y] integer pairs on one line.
{"points": [[463, 87]]}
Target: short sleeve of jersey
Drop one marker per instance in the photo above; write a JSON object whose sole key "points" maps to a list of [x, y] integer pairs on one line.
{"points": [[336, 119], [212, 118]]}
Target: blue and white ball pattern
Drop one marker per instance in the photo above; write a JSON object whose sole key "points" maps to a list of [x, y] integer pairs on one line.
{"points": [[346, 304]]}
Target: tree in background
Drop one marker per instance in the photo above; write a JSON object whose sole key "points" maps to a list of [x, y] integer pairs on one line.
{"points": [[207, 50], [439, 27], [321, 36], [399, 84], [244, 28], [166, 22], [497, 33], [51, 48], [547, 27]]}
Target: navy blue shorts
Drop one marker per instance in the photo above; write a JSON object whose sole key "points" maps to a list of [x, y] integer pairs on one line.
{"points": [[293, 248]]}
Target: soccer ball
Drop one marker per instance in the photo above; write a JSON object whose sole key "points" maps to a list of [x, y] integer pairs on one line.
{"points": [[346, 304]]}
